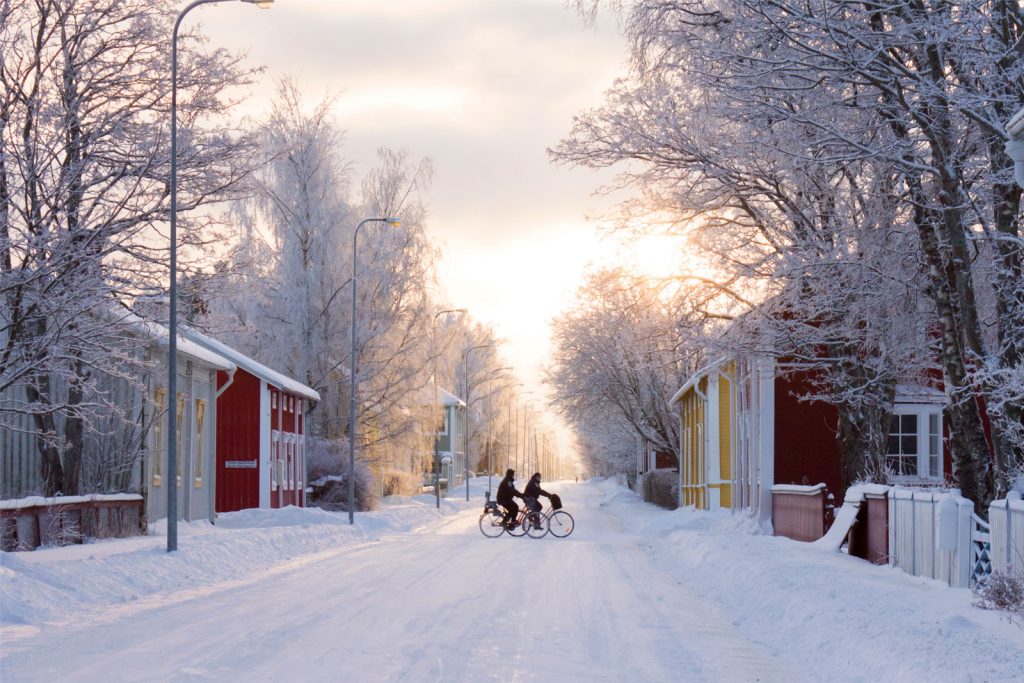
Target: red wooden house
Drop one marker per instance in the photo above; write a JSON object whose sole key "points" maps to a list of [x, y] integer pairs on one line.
{"points": [[261, 436], [745, 429]]}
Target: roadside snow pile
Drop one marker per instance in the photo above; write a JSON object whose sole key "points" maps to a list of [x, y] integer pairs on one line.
{"points": [[842, 617], [55, 584]]}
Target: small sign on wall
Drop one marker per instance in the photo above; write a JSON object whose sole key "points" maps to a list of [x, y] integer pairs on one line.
{"points": [[240, 464]]}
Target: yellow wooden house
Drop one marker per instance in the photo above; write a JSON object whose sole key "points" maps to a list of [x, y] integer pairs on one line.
{"points": [[706, 437]]}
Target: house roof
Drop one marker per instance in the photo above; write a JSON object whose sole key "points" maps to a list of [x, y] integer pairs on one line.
{"points": [[696, 377], [251, 366], [450, 399], [907, 393], [158, 333]]}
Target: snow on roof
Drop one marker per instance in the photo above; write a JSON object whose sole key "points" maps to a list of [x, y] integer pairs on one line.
{"points": [[707, 369], [906, 393], [450, 399], [161, 335], [254, 367]]}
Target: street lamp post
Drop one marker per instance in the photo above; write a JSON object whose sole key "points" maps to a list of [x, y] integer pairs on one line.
{"points": [[172, 327], [526, 441], [352, 375], [521, 394], [437, 432], [508, 442], [465, 369], [487, 439]]}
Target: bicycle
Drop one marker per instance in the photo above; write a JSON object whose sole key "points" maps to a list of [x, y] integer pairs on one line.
{"points": [[492, 522], [556, 520]]}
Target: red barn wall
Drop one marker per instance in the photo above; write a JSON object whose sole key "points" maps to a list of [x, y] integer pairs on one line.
{"points": [[806, 451], [238, 440]]}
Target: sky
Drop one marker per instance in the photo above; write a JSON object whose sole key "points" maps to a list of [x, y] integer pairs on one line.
{"points": [[410, 593], [483, 88]]}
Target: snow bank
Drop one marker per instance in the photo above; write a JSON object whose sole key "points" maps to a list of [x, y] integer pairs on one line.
{"points": [[57, 584], [838, 617]]}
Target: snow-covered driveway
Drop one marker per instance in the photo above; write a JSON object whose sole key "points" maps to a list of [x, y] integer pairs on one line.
{"points": [[412, 594], [442, 603]]}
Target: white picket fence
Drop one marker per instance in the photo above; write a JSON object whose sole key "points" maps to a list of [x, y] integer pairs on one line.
{"points": [[933, 534], [1006, 536], [936, 534]]}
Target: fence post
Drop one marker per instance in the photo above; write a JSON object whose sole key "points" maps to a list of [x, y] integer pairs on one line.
{"points": [[913, 534]]}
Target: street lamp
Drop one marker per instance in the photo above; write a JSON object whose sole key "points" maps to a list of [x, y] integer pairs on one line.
{"points": [[437, 432], [465, 369], [172, 328], [393, 222], [508, 442], [487, 439], [526, 442], [521, 394], [1015, 145]]}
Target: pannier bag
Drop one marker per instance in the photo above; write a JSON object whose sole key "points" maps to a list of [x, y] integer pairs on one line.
{"points": [[556, 502]]}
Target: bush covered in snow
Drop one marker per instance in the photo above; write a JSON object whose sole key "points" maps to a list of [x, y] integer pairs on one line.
{"points": [[661, 487], [327, 462], [398, 483], [1002, 591]]}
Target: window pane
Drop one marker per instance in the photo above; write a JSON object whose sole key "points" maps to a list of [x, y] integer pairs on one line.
{"points": [[894, 425], [909, 425], [908, 445], [910, 466], [894, 445]]}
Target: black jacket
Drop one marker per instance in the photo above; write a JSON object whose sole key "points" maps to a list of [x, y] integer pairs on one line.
{"points": [[507, 491], [533, 489]]}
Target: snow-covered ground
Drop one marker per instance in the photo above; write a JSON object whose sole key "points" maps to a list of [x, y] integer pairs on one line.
{"points": [[411, 593]]}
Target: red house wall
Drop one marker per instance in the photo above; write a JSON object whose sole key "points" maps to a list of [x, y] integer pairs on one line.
{"points": [[238, 440], [286, 418], [806, 451]]}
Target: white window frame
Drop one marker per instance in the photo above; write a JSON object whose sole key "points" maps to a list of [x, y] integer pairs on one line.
{"points": [[923, 411]]}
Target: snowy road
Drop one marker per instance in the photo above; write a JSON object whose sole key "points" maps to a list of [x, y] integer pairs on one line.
{"points": [[442, 603], [412, 593]]}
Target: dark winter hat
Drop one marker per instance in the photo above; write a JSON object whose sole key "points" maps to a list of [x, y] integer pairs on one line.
{"points": [[536, 475], [509, 474]]}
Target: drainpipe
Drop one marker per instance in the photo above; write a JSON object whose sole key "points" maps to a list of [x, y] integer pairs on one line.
{"points": [[231, 379]]}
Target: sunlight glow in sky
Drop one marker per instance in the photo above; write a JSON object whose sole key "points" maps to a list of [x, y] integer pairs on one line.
{"points": [[483, 88]]}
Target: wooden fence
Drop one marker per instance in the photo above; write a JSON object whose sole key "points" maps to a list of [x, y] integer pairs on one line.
{"points": [[799, 512], [28, 523], [1006, 535]]}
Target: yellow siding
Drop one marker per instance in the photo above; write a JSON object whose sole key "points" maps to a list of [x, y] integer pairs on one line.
{"points": [[725, 439], [692, 412]]}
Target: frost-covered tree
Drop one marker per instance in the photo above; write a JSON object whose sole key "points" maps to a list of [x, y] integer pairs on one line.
{"points": [[620, 351], [843, 160], [84, 118], [291, 300]]}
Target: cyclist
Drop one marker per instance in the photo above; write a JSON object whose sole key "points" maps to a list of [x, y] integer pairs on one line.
{"points": [[532, 492], [506, 496]]}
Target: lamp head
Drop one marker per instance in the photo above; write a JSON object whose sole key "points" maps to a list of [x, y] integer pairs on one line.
{"points": [[1015, 126], [262, 4], [393, 222]]}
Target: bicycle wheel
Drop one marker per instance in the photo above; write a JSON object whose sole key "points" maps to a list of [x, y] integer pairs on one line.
{"points": [[490, 525], [536, 525], [518, 529], [561, 523]]}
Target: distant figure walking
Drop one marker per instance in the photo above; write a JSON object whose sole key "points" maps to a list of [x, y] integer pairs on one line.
{"points": [[506, 496]]}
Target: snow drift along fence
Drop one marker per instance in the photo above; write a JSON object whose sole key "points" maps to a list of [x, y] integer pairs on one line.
{"points": [[930, 534], [1006, 534], [28, 523]]}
